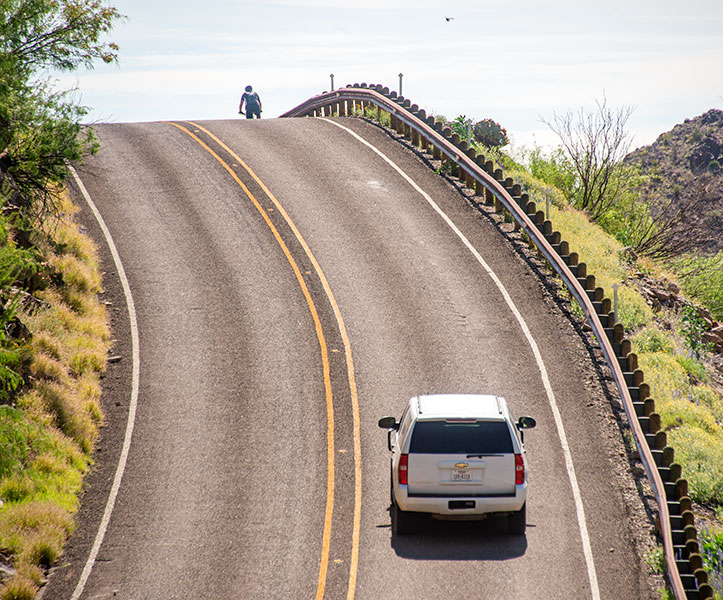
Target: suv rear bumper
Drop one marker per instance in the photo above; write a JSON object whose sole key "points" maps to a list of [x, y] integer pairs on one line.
{"points": [[440, 505]]}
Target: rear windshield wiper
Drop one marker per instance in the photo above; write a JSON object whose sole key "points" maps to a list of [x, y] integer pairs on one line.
{"points": [[482, 455]]}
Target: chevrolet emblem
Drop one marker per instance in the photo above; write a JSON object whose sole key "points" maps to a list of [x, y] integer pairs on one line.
{"points": [[462, 465]]}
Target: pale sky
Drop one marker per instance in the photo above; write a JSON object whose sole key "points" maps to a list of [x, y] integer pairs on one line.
{"points": [[514, 61]]}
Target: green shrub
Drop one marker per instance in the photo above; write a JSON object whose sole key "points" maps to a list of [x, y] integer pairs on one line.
{"points": [[462, 126], [11, 353], [700, 453], [694, 368], [19, 438], [711, 548], [373, 113], [653, 339], [692, 327], [702, 278], [655, 559], [554, 169]]}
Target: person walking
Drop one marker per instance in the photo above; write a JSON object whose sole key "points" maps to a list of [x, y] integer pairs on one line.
{"points": [[253, 103]]}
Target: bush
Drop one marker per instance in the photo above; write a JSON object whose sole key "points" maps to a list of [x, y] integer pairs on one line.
{"points": [[655, 559], [702, 278], [694, 368], [711, 547], [554, 169], [692, 327], [653, 339]]}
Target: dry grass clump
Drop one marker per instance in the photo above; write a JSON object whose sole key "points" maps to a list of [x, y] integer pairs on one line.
{"points": [[19, 587], [48, 436], [34, 533]]}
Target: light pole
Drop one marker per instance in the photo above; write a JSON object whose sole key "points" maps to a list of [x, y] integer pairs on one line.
{"points": [[400, 83], [332, 81]]}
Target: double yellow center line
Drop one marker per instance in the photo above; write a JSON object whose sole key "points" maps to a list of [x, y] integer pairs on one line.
{"points": [[326, 539]]}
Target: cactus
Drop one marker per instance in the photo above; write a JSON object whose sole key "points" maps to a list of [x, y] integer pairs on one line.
{"points": [[490, 133]]}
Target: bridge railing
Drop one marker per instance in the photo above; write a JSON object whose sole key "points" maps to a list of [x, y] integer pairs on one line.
{"points": [[683, 560]]}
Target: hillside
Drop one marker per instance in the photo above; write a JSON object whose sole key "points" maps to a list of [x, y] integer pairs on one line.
{"points": [[683, 168]]}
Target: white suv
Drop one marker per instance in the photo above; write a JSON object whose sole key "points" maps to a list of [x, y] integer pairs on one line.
{"points": [[457, 456]]}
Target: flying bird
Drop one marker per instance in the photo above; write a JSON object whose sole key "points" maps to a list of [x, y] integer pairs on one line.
{"points": [[448, 19]]}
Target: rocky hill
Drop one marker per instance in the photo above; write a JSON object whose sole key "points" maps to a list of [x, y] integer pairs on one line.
{"points": [[684, 167]]}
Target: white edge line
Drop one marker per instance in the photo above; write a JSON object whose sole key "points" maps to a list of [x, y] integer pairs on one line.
{"points": [[123, 459], [587, 547]]}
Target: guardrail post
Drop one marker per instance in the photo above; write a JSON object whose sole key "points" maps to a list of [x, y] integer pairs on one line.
{"points": [[668, 454], [681, 489], [469, 181], [582, 273], [478, 187]]}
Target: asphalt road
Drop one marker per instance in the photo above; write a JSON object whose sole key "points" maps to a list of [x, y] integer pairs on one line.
{"points": [[249, 330]]}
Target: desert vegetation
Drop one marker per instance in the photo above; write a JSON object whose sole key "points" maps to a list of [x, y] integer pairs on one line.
{"points": [[670, 285], [54, 336]]}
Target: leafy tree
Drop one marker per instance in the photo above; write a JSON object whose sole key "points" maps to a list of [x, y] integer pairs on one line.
{"points": [[60, 34], [40, 129]]}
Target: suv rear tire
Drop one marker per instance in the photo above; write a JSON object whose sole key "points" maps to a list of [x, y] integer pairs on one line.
{"points": [[401, 520], [517, 521]]}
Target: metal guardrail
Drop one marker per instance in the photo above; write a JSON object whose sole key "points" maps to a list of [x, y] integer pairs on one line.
{"points": [[687, 577]]}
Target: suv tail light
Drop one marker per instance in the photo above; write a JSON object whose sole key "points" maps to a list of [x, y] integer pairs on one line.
{"points": [[403, 460], [519, 469]]}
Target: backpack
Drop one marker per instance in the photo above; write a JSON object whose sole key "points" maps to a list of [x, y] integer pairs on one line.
{"points": [[252, 100]]}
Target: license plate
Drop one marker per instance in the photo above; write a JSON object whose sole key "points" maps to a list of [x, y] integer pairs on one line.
{"points": [[461, 475]]}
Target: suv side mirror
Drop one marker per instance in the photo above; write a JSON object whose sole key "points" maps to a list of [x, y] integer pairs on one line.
{"points": [[388, 423], [526, 423]]}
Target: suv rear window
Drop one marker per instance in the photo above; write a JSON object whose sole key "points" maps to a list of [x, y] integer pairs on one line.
{"points": [[454, 437]]}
